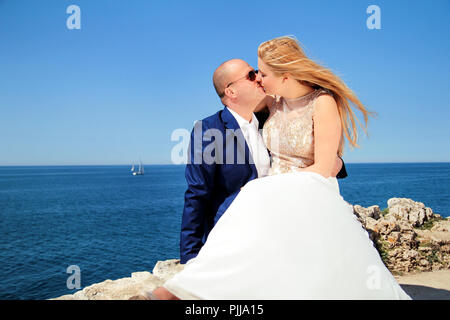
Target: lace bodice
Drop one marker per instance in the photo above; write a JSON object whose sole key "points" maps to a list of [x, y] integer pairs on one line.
{"points": [[288, 132]]}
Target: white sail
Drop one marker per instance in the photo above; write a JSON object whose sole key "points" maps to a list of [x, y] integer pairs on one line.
{"points": [[140, 171]]}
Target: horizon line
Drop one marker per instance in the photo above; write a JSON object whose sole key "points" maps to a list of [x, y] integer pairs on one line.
{"points": [[171, 164]]}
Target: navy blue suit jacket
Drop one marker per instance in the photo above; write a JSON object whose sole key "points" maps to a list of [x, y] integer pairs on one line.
{"points": [[213, 185]]}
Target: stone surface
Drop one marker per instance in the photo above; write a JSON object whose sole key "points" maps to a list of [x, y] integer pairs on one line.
{"points": [[408, 235], [165, 270], [406, 209], [125, 288]]}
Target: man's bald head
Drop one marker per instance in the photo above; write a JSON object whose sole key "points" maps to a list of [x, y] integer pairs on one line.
{"points": [[226, 72]]}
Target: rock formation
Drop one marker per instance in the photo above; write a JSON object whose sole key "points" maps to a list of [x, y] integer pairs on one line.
{"points": [[408, 235], [124, 288]]}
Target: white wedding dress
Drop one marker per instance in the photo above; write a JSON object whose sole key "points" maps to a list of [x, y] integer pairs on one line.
{"points": [[289, 235]]}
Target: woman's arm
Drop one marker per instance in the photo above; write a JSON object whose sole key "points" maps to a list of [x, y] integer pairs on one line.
{"points": [[327, 136]]}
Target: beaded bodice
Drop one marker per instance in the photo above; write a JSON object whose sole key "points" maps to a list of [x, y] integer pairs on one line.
{"points": [[289, 132]]}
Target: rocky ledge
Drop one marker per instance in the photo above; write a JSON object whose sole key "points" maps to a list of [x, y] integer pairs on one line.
{"points": [[408, 235], [125, 288]]}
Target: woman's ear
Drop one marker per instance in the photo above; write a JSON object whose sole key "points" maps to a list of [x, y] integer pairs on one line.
{"points": [[285, 76]]}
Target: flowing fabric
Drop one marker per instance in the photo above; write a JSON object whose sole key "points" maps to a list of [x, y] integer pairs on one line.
{"points": [[300, 242]]}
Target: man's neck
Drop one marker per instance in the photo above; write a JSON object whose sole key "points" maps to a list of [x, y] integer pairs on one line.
{"points": [[246, 114]]}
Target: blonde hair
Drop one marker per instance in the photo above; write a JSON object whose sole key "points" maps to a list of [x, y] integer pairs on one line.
{"points": [[284, 55]]}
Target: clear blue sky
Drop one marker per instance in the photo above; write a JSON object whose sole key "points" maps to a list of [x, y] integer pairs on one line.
{"points": [[137, 70]]}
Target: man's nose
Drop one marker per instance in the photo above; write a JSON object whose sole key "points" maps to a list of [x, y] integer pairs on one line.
{"points": [[258, 77]]}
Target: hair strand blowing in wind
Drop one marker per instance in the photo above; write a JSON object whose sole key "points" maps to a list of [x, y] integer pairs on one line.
{"points": [[285, 55]]}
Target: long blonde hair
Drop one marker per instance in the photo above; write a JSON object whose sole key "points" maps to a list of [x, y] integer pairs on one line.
{"points": [[284, 55]]}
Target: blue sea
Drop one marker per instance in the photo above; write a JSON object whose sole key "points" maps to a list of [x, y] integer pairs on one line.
{"points": [[110, 223]]}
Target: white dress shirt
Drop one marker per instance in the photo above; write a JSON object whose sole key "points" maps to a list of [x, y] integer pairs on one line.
{"points": [[255, 143]]}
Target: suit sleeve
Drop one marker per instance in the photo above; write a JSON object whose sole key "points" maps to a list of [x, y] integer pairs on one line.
{"points": [[200, 179], [343, 172]]}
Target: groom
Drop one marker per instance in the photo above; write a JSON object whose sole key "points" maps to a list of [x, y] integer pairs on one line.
{"points": [[226, 151]]}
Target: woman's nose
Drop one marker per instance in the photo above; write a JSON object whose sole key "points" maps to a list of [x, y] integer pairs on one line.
{"points": [[258, 77]]}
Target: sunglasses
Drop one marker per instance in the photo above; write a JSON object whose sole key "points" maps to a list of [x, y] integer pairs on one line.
{"points": [[251, 76]]}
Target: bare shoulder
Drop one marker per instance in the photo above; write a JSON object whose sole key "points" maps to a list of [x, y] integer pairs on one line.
{"points": [[326, 110], [325, 103]]}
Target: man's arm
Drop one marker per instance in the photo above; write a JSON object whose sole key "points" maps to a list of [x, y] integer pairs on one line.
{"points": [[200, 179], [339, 169], [342, 172]]}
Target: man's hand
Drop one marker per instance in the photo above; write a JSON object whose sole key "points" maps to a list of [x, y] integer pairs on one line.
{"points": [[337, 167]]}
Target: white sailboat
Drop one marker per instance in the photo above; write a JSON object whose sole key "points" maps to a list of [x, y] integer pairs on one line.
{"points": [[140, 172]]}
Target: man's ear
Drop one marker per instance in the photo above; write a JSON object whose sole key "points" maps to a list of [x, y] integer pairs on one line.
{"points": [[286, 76], [229, 92]]}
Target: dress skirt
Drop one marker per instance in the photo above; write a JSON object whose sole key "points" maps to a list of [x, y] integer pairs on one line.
{"points": [[288, 236]]}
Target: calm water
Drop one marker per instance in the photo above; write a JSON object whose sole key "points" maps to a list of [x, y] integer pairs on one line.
{"points": [[111, 224]]}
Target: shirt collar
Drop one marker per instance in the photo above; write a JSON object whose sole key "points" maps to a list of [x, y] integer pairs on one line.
{"points": [[242, 122]]}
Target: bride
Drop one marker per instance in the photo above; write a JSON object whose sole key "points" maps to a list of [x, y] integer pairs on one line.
{"points": [[291, 235]]}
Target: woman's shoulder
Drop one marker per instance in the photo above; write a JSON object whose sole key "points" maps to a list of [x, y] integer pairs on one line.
{"points": [[325, 105], [324, 99], [324, 92]]}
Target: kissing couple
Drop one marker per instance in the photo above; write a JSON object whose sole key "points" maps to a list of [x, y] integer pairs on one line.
{"points": [[276, 226]]}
